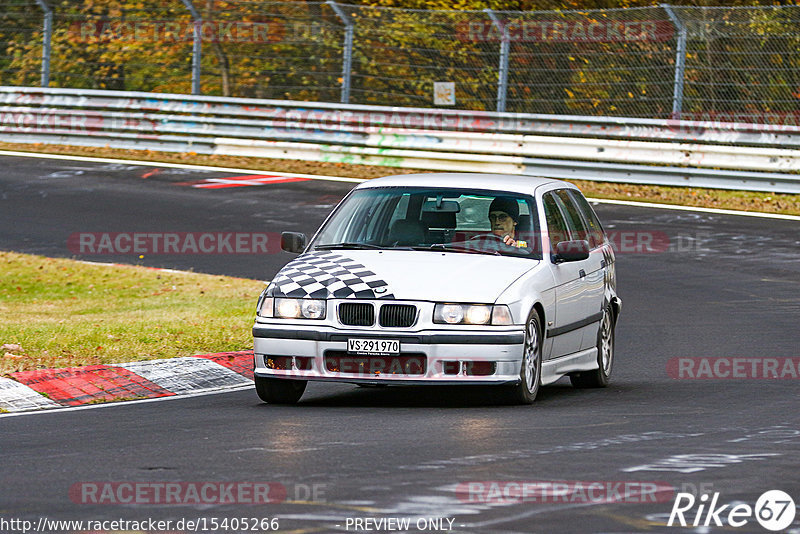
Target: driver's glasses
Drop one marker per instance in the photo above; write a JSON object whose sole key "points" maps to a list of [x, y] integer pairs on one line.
{"points": [[499, 217]]}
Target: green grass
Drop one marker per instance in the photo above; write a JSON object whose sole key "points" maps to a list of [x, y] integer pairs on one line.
{"points": [[67, 313]]}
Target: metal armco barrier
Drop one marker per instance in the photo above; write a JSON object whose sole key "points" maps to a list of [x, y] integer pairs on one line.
{"points": [[652, 151]]}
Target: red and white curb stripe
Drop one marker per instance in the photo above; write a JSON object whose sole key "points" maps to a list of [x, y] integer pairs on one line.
{"points": [[243, 181], [79, 386], [16, 397]]}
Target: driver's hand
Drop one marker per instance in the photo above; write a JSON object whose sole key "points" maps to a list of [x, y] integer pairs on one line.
{"points": [[508, 241]]}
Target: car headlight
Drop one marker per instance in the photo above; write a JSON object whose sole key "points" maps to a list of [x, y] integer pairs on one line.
{"points": [[264, 307], [478, 314], [501, 314], [446, 313], [300, 308]]}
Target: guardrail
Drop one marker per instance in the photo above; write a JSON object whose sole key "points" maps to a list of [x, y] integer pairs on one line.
{"points": [[650, 151]]}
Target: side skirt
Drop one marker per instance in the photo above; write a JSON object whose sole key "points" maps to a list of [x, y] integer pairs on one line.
{"points": [[585, 360]]}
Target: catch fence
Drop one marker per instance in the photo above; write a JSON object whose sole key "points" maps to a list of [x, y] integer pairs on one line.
{"points": [[725, 64]]}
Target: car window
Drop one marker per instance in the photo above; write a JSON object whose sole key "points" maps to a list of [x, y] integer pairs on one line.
{"points": [[365, 221], [475, 209], [595, 229], [401, 210], [473, 213], [424, 217], [557, 229], [573, 215]]}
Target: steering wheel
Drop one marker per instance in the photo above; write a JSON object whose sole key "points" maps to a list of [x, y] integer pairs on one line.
{"points": [[484, 237], [489, 240]]}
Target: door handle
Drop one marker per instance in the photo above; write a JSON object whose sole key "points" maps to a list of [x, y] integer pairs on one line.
{"points": [[582, 273]]}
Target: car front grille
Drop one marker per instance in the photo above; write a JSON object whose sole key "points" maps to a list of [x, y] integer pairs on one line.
{"points": [[357, 314], [397, 315]]}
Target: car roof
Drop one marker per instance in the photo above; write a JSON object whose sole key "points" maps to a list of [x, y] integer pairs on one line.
{"points": [[504, 182]]}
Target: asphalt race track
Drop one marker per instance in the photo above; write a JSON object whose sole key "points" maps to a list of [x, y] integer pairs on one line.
{"points": [[724, 287]]}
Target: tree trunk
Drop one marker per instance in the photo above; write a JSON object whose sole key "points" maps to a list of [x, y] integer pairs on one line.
{"points": [[222, 59]]}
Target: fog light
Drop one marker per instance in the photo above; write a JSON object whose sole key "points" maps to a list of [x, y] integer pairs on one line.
{"points": [[281, 363], [479, 368]]}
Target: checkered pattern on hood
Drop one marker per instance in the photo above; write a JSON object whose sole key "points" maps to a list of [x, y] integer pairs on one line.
{"points": [[324, 274]]}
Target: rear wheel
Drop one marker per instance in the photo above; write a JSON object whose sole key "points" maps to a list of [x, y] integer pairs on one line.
{"points": [[530, 373], [605, 356], [279, 391]]}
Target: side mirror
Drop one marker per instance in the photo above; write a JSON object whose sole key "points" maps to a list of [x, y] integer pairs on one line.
{"points": [[293, 242], [571, 251]]}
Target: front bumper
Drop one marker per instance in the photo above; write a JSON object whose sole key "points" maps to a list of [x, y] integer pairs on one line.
{"points": [[426, 356]]}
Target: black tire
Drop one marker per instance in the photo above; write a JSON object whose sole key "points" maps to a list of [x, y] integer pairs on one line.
{"points": [[600, 377], [279, 390], [530, 373]]}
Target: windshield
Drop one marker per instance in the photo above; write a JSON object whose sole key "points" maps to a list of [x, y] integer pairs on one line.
{"points": [[441, 219]]}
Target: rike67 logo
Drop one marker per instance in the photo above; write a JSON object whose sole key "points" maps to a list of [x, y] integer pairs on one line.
{"points": [[774, 510]]}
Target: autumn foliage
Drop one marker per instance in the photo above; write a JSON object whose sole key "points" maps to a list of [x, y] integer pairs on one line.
{"points": [[566, 57]]}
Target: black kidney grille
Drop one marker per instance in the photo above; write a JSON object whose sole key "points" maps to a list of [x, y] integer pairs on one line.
{"points": [[397, 315], [357, 314]]}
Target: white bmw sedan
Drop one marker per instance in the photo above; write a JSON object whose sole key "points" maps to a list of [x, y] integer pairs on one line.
{"points": [[443, 279]]}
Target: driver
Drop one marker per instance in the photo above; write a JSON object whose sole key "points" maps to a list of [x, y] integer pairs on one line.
{"points": [[504, 216]]}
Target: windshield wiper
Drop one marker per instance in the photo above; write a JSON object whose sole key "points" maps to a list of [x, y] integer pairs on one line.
{"points": [[456, 248], [354, 246]]}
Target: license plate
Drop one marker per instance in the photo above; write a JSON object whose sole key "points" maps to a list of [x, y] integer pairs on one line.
{"points": [[377, 347]]}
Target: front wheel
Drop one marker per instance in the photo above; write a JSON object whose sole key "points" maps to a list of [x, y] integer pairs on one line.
{"points": [[530, 373], [605, 356], [279, 391]]}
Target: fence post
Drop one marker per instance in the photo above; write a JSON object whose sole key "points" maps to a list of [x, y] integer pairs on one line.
{"points": [[347, 54], [197, 50], [680, 61], [47, 41], [502, 76]]}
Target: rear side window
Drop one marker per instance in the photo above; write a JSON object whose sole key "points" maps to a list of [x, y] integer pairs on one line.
{"points": [[573, 215], [557, 229], [596, 237]]}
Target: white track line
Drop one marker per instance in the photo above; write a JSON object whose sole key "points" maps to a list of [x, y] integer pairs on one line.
{"points": [[178, 166], [227, 389], [359, 180], [161, 269], [695, 208]]}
